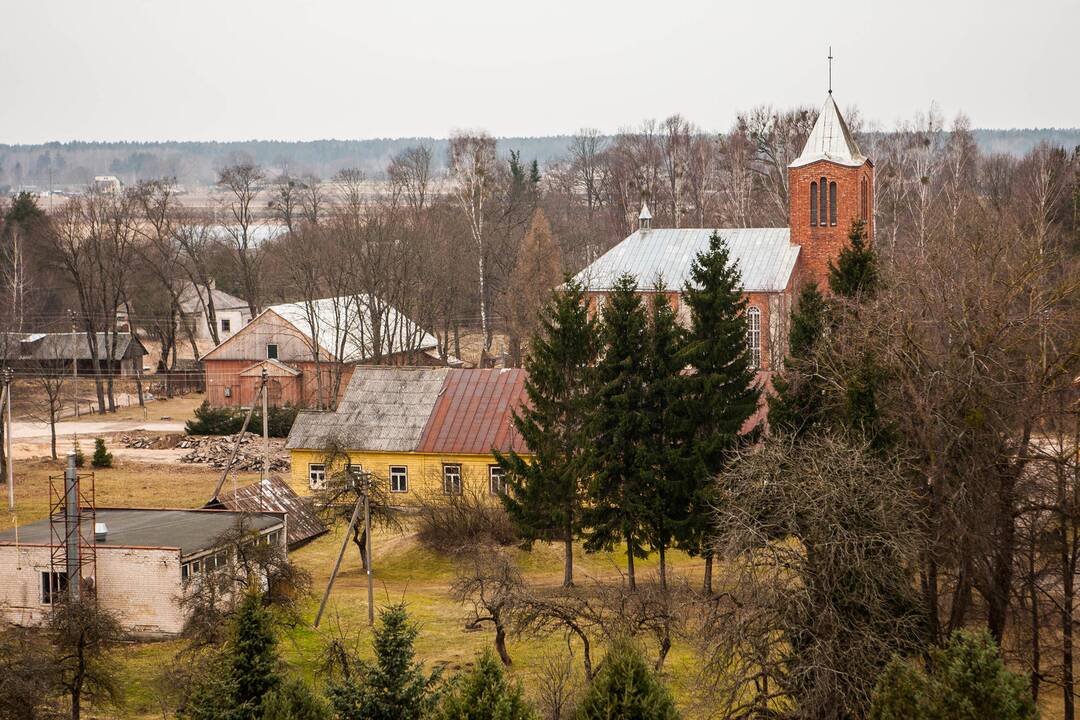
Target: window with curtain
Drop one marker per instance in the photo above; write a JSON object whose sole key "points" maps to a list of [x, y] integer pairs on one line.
{"points": [[832, 203], [813, 204], [753, 335], [823, 203]]}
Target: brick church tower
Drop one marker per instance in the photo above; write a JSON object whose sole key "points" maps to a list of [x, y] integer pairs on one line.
{"points": [[831, 184]]}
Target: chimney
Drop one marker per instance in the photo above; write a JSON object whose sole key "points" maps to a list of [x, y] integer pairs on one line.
{"points": [[645, 217]]}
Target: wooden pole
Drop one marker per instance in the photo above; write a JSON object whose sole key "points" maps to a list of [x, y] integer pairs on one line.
{"points": [[337, 565], [266, 431], [367, 551], [7, 438], [235, 448]]}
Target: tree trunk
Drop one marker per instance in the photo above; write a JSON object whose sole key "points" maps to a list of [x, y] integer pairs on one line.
{"points": [[1033, 598], [631, 581], [1068, 591], [707, 584], [568, 558], [500, 644], [52, 433], [663, 569]]}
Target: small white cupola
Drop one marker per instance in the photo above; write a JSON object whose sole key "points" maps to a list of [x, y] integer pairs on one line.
{"points": [[644, 217]]}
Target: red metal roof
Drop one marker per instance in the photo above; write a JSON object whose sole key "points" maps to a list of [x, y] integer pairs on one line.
{"points": [[474, 413]]}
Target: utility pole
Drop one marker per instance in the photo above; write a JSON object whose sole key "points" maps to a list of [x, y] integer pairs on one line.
{"points": [[367, 550], [266, 428], [74, 363], [7, 438]]}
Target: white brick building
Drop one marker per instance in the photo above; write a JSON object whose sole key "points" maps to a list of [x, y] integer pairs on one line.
{"points": [[142, 562]]}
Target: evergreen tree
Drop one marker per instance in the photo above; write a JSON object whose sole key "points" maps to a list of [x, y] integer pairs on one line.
{"points": [[797, 403], [626, 687], [294, 700], [484, 693], [618, 459], [856, 270], [395, 686], [534, 173], [669, 464], [967, 681], [102, 458], [545, 493], [254, 660], [721, 394]]}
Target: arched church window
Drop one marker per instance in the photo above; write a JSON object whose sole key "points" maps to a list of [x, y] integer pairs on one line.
{"points": [[753, 335], [832, 203], [823, 203], [864, 200], [813, 204]]}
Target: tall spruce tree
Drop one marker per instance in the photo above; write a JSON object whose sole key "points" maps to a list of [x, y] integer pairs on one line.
{"points": [[545, 493], [670, 465], [484, 693], [619, 425], [797, 404], [855, 273], [254, 660], [721, 393]]}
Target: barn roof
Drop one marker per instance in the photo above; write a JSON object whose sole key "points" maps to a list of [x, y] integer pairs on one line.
{"points": [[274, 494], [431, 410], [50, 347], [766, 258], [345, 323], [830, 140]]}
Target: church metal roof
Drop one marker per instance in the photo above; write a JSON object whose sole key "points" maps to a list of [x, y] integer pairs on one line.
{"points": [[830, 140], [765, 256]]}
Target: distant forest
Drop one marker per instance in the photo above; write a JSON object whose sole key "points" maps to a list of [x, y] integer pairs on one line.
{"points": [[74, 164]]}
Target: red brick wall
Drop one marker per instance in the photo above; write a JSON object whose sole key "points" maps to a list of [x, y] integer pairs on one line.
{"points": [[823, 243]]}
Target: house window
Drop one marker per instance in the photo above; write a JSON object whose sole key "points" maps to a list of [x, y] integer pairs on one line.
{"points": [[271, 351], [316, 475], [226, 325], [753, 335], [399, 478], [823, 203], [228, 391], [53, 585], [451, 479], [832, 203], [496, 479], [813, 204]]}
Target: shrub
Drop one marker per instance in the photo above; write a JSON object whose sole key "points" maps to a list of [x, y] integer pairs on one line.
{"points": [[457, 523], [228, 421], [102, 457], [967, 681], [626, 687], [484, 693], [80, 456], [294, 700]]}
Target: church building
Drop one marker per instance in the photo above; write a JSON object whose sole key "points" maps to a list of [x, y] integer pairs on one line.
{"points": [[831, 184]]}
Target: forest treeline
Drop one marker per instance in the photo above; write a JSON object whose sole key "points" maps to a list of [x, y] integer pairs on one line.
{"points": [[74, 164]]}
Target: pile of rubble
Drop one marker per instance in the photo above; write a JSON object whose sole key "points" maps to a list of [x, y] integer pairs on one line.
{"points": [[143, 441], [215, 450]]}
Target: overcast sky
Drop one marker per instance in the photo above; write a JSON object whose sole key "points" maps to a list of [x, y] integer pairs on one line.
{"points": [[311, 69]]}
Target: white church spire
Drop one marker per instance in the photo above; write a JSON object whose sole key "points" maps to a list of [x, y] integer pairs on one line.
{"points": [[830, 140]]}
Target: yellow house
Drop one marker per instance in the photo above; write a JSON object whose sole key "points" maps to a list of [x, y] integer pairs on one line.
{"points": [[419, 430]]}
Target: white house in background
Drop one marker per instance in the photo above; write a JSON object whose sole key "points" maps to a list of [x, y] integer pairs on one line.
{"points": [[230, 313], [107, 183]]}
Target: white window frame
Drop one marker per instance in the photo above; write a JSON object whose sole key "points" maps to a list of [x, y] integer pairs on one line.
{"points": [[399, 478], [451, 479], [753, 335], [316, 477], [496, 479]]}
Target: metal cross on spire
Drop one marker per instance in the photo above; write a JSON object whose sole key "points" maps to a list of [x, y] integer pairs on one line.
{"points": [[830, 69]]}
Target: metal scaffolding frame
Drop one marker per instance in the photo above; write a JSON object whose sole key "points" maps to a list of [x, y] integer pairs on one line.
{"points": [[72, 525]]}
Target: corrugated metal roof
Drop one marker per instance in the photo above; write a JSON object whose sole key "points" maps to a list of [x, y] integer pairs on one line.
{"points": [[766, 257], [830, 140], [475, 412], [345, 322], [275, 495], [383, 409], [49, 347], [434, 410]]}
